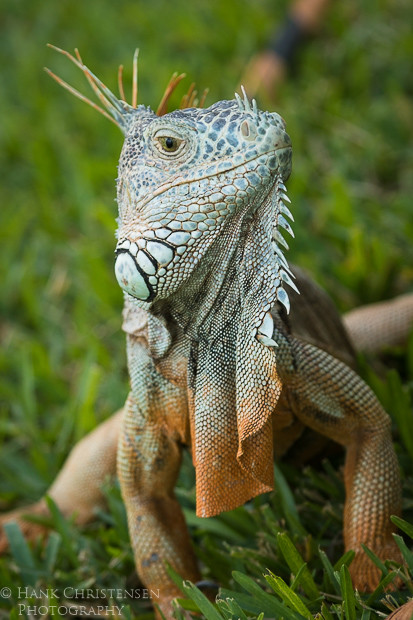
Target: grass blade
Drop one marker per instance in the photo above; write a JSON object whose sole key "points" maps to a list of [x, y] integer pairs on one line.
{"points": [[405, 551], [295, 563], [64, 529], [204, 605], [403, 525], [329, 572], [349, 600], [288, 595], [51, 551], [266, 602], [21, 553], [288, 503]]}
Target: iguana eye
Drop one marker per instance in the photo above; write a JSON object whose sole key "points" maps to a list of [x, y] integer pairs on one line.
{"points": [[168, 144]]}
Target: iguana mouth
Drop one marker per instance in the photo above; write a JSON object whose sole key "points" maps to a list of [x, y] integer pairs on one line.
{"points": [[141, 265], [131, 276]]}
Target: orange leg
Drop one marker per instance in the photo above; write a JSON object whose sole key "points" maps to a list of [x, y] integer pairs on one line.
{"points": [[149, 457], [332, 399]]}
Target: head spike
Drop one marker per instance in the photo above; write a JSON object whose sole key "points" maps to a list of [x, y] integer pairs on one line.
{"points": [[203, 97], [240, 102], [107, 101], [173, 83], [120, 83], [99, 87], [247, 104], [192, 96], [79, 95], [117, 110], [187, 98], [114, 107], [135, 79]]}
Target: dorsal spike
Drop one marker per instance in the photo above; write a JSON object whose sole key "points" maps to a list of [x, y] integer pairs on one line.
{"points": [[246, 101], [286, 211]]}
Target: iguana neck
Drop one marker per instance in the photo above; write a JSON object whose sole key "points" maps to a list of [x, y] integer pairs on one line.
{"points": [[213, 296], [212, 289]]}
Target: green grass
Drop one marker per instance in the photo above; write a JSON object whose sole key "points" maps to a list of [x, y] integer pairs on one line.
{"points": [[62, 361]]}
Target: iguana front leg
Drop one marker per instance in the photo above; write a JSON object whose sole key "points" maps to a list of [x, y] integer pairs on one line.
{"points": [[149, 457], [329, 397]]}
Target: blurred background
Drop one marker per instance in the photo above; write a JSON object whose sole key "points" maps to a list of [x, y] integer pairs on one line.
{"points": [[346, 100]]}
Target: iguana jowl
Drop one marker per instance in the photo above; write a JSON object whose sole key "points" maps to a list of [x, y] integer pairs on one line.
{"points": [[214, 362]]}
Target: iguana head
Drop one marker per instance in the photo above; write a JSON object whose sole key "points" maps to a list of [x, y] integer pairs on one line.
{"points": [[184, 178], [181, 178]]}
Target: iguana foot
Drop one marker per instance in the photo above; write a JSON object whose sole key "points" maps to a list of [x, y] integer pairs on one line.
{"points": [[29, 529], [366, 575]]}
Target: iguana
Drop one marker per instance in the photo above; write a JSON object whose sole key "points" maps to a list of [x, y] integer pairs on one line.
{"points": [[218, 363]]}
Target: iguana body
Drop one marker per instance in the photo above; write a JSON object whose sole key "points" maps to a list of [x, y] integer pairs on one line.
{"points": [[313, 319], [216, 363]]}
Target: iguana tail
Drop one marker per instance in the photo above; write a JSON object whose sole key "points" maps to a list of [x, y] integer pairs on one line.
{"points": [[382, 324]]}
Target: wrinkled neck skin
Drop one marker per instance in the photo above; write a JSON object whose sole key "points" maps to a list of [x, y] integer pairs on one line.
{"points": [[219, 287]]}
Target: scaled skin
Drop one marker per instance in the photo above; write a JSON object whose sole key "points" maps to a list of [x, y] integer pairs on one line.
{"points": [[216, 364]]}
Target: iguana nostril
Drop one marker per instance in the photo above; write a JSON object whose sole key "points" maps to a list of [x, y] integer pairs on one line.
{"points": [[248, 130]]}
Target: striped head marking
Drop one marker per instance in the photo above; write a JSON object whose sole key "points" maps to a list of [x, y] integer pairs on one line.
{"points": [[181, 178]]}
